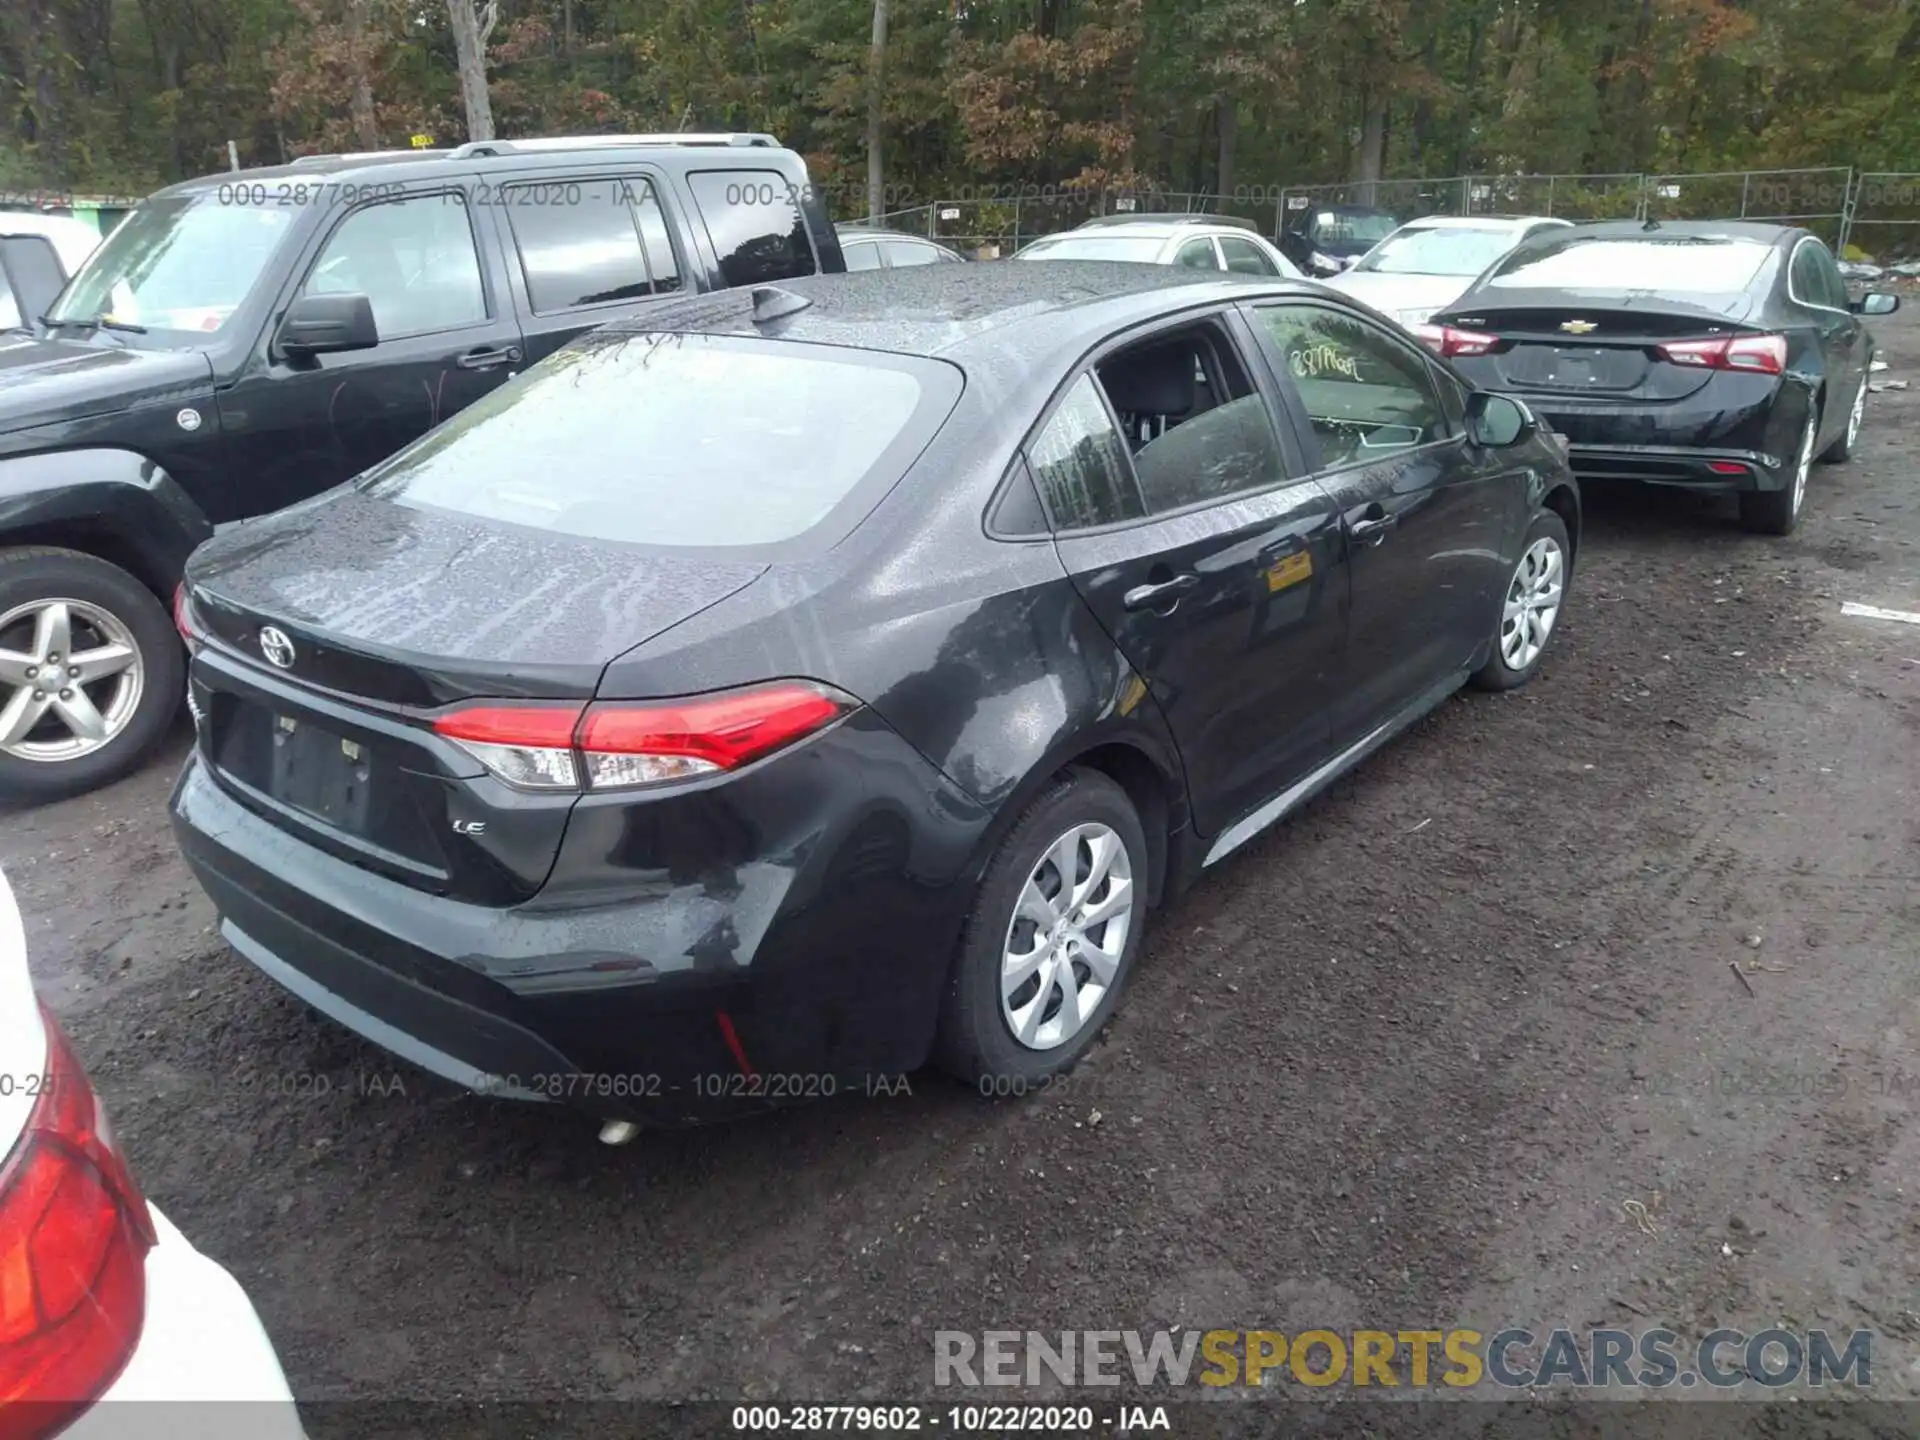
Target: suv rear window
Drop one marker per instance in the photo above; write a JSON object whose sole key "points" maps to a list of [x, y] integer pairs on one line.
{"points": [[753, 218], [1700, 264], [628, 437]]}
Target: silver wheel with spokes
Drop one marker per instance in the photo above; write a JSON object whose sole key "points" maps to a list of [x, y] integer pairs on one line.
{"points": [[70, 679], [1067, 935], [1856, 415], [1533, 603]]}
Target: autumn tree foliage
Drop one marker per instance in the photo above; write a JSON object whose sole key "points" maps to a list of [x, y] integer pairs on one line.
{"points": [[122, 95]]}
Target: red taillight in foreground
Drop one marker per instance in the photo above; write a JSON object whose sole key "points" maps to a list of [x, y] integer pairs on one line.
{"points": [[1447, 342], [1760, 354], [74, 1236], [613, 744]]}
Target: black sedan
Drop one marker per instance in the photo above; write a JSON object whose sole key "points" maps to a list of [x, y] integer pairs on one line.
{"points": [[787, 687], [1712, 355]]}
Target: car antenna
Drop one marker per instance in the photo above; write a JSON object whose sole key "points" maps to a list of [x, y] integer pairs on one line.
{"points": [[770, 302]]}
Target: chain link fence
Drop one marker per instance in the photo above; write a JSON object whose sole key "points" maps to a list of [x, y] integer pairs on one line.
{"points": [[1878, 210]]}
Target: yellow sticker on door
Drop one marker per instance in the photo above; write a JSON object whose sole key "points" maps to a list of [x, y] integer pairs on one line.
{"points": [[1290, 571]]}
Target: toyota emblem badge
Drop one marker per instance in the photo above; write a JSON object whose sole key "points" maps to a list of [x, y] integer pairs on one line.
{"points": [[278, 649]]}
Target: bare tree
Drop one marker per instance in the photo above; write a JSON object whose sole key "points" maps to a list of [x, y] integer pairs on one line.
{"points": [[876, 112], [470, 31], [366, 130]]}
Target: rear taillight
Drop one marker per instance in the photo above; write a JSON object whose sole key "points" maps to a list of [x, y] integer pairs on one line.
{"points": [[1760, 354], [183, 618], [1447, 342], [615, 744], [74, 1235]]}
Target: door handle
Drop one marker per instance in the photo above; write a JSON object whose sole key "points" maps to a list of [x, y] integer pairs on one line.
{"points": [[1370, 527], [1160, 595], [488, 359]]}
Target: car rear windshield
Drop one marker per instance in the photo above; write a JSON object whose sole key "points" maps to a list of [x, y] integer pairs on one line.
{"points": [[1688, 264], [1096, 247], [677, 440], [1439, 250]]}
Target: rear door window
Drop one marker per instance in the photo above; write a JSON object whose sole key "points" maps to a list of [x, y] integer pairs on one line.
{"points": [[754, 219], [651, 459], [865, 255], [909, 252], [1197, 255], [1245, 257], [581, 242], [1080, 464]]}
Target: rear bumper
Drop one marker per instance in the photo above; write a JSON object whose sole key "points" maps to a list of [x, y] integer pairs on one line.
{"points": [[204, 1365], [815, 950], [1673, 465]]}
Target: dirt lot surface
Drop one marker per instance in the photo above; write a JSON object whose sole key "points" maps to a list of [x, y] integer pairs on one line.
{"points": [[1401, 1063]]}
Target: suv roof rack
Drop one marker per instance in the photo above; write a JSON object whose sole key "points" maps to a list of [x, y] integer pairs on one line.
{"points": [[1168, 217], [331, 156], [593, 142]]}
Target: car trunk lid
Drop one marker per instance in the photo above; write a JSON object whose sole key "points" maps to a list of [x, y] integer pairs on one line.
{"points": [[334, 645], [1608, 348]]}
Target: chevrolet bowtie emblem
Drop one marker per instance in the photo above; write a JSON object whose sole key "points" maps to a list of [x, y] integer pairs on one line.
{"points": [[1579, 327]]}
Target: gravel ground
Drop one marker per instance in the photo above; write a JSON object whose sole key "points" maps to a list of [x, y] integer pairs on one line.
{"points": [[1400, 1063]]}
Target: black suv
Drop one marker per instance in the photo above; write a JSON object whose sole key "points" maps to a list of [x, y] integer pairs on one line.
{"points": [[244, 341]]}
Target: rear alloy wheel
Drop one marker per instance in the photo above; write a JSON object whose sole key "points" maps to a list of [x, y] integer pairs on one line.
{"points": [[1777, 512], [1842, 449], [90, 673], [1051, 938], [1535, 592]]}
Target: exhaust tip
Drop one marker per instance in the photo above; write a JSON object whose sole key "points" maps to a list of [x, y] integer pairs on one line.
{"points": [[618, 1132]]}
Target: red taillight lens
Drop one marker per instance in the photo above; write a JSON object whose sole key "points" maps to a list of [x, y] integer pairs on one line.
{"points": [[1759, 354], [74, 1235], [618, 743], [1447, 342], [183, 618]]}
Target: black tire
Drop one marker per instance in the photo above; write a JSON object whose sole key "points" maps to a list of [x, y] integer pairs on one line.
{"points": [[35, 573], [1497, 674], [1842, 450], [1777, 512], [976, 1042]]}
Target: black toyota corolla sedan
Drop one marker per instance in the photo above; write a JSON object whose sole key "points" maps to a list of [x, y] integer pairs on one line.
{"points": [[1709, 354], [775, 692]]}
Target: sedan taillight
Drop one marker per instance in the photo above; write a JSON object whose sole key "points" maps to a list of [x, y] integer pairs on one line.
{"points": [[74, 1236], [617, 744], [183, 618], [1447, 342], [1759, 354]]}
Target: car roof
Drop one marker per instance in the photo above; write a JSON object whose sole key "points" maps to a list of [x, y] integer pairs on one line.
{"points": [[1482, 222], [689, 151], [1159, 226], [975, 314], [849, 231], [1701, 229]]}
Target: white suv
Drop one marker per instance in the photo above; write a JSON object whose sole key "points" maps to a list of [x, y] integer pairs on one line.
{"points": [[106, 1307], [1196, 242]]}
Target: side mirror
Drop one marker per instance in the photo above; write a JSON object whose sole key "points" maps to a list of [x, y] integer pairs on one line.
{"points": [[31, 272], [325, 324], [1497, 421], [1876, 302]]}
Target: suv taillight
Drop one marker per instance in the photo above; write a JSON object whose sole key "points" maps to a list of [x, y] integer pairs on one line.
{"points": [[1447, 342], [1759, 354], [618, 744], [74, 1236]]}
